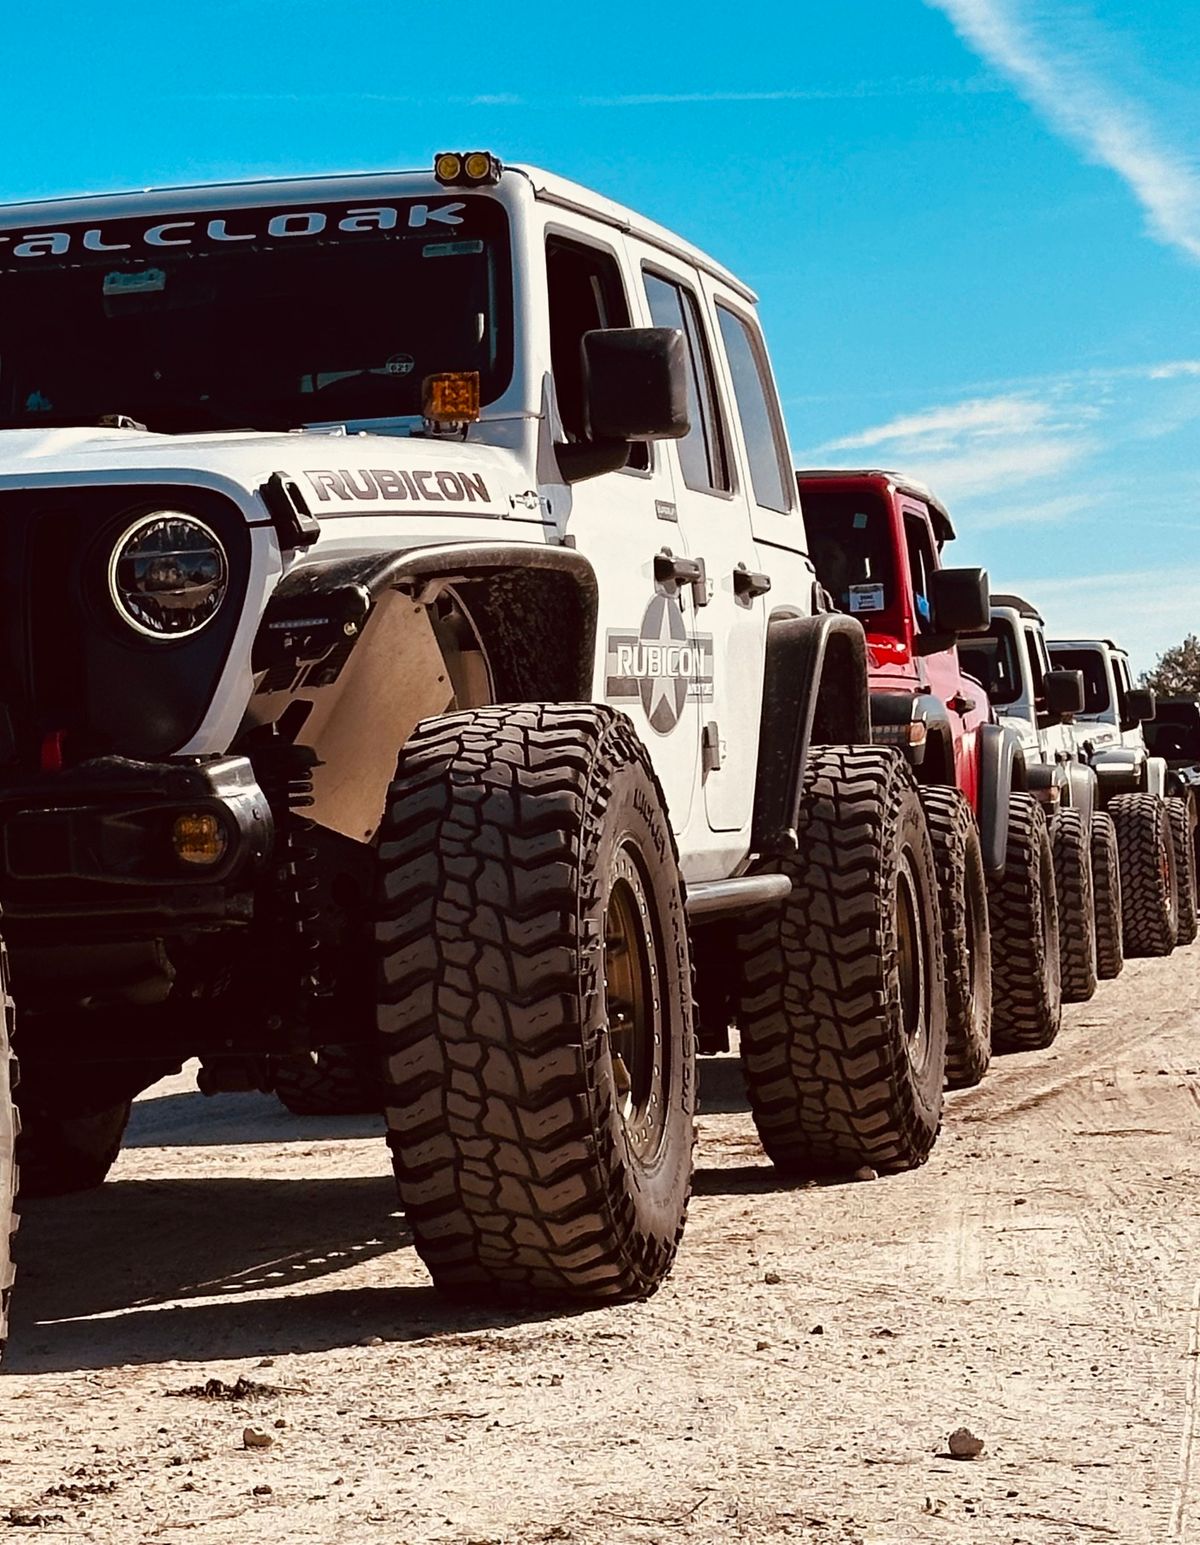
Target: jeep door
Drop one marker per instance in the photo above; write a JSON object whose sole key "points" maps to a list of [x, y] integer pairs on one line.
{"points": [[625, 522], [712, 504]]}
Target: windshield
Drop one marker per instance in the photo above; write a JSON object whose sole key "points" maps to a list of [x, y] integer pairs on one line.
{"points": [[255, 318], [1095, 677], [850, 544], [991, 658], [1177, 739]]}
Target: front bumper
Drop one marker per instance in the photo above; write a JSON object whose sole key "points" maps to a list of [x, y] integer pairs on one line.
{"points": [[96, 841]]}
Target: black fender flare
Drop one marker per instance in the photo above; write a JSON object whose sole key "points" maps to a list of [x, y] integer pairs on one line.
{"points": [[814, 693], [893, 715], [1001, 769]]}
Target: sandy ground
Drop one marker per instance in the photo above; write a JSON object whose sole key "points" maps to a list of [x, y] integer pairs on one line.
{"points": [[796, 1378]]}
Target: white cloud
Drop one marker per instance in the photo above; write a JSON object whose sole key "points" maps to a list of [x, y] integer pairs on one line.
{"points": [[1090, 111], [980, 415], [1144, 610], [857, 91], [980, 469]]}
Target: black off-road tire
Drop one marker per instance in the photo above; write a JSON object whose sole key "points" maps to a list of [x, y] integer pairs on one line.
{"points": [[966, 934], [833, 980], [62, 1147], [1149, 890], [1026, 979], [1071, 844], [533, 1150], [1106, 889], [9, 1127], [1178, 813], [334, 1081]]}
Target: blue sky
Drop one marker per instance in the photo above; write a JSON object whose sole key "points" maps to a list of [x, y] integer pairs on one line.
{"points": [[974, 224]]}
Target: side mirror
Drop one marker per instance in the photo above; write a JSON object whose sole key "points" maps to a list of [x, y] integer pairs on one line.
{"points": [[635, 388], [1140, 705], [1064, 694], [960, 601]]}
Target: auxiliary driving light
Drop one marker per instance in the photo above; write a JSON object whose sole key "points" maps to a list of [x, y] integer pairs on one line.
{"points": [[471, 168], [451, 397], [198, 837]]}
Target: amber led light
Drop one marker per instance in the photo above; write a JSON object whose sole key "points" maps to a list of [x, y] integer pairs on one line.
{"points": [[198, 838], [451, 397]]}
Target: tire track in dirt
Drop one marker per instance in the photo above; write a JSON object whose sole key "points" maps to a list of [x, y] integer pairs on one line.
{"points": [[1181, 1504]]}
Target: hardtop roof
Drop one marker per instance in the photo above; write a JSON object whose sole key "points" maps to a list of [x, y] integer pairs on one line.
{"points": [[942, 524], [1017, 604], [267, 191]]}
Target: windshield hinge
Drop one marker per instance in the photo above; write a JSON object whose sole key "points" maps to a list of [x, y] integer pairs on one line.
{"points": [[295, 524]]}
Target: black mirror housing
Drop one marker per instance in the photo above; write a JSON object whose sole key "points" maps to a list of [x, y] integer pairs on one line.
{"points": [[635, 383], [1064, 693], [960, 601], [1140, 705]]}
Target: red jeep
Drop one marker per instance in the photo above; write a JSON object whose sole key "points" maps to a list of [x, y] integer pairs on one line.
{"points": [[876, 540]]}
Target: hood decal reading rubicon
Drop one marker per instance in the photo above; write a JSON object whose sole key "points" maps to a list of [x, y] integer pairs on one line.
{"points": [[659, 664], [386, 483]]}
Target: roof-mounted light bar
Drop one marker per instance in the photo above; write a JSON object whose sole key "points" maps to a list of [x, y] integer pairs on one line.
{"points": [[467, 168]]}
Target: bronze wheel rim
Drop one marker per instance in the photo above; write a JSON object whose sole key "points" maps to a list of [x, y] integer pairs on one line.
{"points": [[633, 1007]]}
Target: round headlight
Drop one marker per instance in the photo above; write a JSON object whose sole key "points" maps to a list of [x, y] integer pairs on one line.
{"points": [[168, 575]]}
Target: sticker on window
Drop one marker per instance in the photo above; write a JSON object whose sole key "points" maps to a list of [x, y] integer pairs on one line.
{"points": [[866, 598], [140, 282]]}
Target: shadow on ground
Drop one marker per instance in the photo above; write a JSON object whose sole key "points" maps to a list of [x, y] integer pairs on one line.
{"points": [[109, 1277], [189, 1119]]}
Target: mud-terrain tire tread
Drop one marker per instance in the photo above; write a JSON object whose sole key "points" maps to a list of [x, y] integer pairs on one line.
{"points": [[1148, 902], [1186, 923], [334, 1081], [506, 1143], [60, 1153], [1071, 844], [832, 1086], [958, 857], [1026, 985], [1106, 889]]}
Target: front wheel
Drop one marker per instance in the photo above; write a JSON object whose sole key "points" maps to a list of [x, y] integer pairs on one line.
{"points": [[966, 934], [842, 1005], [535, 1003], [68, 1142], [1071, 845], [1149, 884], [1179, 816], [332, 1081], [1022, 904]]}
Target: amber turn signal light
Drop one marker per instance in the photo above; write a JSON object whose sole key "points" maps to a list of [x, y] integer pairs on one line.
{"points": [[198, 837]]}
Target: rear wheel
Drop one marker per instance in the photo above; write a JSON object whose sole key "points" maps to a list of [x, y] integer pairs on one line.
{"points": [[333, 1081], [1149, 891], [966, 934], [1179, 815], [1106, 889], [842, 1005], [1071, 845], [535, 1003], [1026, 984], [69, 1140]]}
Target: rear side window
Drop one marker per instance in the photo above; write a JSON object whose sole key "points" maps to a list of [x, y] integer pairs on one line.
{"points": [[758, 410], [703, 458], [1037, 665]]}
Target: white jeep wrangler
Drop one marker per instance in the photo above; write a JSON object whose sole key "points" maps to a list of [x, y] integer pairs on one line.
{"points": [[410, 648], [1153, 830], [1038, 703]]}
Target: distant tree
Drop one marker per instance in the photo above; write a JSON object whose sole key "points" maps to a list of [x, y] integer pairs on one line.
{"points": [[1177, 673]]}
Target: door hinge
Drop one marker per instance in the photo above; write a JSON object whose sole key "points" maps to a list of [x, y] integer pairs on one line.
{"points": [[710, 747]]}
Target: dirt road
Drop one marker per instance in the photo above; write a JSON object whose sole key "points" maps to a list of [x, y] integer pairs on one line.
{"points": [[796, 1379]]}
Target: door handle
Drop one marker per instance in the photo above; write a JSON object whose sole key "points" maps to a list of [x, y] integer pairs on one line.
{"points": [[669, 569], [749, 585]]}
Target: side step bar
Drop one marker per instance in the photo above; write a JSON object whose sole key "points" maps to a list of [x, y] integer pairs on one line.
{"points": [[707, 898]]}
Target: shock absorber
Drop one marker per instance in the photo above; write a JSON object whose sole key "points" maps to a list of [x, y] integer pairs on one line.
{"points": [[293, 910]]}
